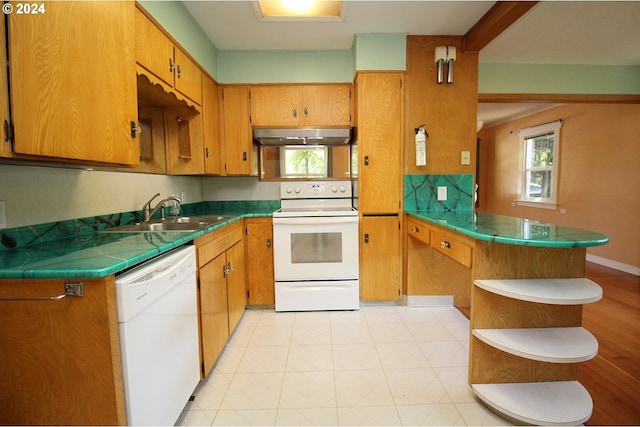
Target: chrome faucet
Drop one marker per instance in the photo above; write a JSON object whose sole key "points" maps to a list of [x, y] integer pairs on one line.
{"points": [[148, 212]]}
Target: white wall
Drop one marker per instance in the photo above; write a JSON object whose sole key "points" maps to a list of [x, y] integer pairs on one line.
{"points": [[35, 195]]}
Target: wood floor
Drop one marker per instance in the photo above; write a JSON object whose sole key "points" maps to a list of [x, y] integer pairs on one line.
{"points": [[613, 376]]}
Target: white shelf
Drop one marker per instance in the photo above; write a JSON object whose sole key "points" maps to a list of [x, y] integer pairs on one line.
{"points": [[573, 291], [555, 345], [542, 403]]}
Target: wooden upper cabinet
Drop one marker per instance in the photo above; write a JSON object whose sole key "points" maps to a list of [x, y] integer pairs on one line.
{"points": [[379, 128], [307, 105], [237, 140], [167, 63], [326, 105], [5, 145], [213, 160], [73, 81]]}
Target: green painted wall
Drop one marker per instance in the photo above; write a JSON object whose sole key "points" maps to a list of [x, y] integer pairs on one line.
{"points": [[380, 51], [553, 78], [176, 19], [285, 66]]}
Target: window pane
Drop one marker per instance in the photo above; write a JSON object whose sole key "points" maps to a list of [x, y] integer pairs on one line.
{"points": [[541, 151], [539, 184], [305, 162]]}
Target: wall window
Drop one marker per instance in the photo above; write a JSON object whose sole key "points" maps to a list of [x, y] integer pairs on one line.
{"points": [[304, 162], [538, 178]]}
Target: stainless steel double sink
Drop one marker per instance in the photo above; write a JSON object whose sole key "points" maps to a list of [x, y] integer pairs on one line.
{"points": [[173, 224]]}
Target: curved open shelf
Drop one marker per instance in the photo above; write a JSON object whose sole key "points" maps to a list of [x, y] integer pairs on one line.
{"points": [[541, 403], [572, 291], [555, 345]]}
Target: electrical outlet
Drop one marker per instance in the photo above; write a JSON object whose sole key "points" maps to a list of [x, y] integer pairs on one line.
{"points": [[3, 215], [442, 193], [465, 157]]}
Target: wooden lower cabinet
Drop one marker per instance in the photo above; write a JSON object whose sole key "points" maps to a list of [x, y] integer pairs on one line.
{"points": [[60, 360], [222, 289], [260, 275], [214, 321], [380, 258]]}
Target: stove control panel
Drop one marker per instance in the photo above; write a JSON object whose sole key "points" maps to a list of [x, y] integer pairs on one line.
{"points": [[315, 189]]}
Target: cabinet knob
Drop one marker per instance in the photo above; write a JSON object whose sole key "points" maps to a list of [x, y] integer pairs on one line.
{"points": [[416, 230], [294, 112], [269, 243], [244, 156], [180, 71], [445, 244], [171, 65], [306, 112], [366, 238], [366, 160]]}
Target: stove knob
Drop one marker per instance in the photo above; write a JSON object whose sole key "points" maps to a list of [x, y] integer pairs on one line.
{"points": [[343, 189], [334, 189], [288, 190], [296, 190]]}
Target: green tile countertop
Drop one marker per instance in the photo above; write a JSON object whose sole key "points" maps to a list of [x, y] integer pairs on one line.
{"points": [[511, 230], [93, 254]]}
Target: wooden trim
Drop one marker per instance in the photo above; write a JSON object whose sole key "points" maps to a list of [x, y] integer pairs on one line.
{"points": [[558, 97], [501, 15]]}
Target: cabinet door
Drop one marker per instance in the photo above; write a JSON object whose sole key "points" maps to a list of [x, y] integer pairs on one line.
{"points": [[237, 136], [379, 142], [73, 81], [380, 258], [5, 145], [236, 284], [213, 162], [154, 50], [188, 77], [275, 106], [327, 105], [214, 323], [260, 277]]}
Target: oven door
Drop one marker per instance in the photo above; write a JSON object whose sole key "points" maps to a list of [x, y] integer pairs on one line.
{"points": [[315, 248]]}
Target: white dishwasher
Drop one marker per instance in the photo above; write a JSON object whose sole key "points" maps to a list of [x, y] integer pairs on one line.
{"points": [[157, 315]]}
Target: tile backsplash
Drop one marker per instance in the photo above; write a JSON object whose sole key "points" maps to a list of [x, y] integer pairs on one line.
{"points": [[421, 192]]}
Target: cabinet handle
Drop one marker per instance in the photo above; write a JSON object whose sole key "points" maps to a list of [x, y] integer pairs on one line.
{"points": [[244, 156], [269, 243], [366, 160], [445, 244], [416, 230], [134, 129], [224, 271], [306, 112], [295, 113], [206, 152], [180, 71], [75, 289], [171, 65], [230, 267], [366, 238]]}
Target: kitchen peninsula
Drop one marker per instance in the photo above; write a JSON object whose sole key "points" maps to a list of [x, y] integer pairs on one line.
{"points": [[524, 283]]}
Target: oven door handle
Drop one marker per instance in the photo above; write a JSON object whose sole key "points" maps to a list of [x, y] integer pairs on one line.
{"points": [[313, 221]]}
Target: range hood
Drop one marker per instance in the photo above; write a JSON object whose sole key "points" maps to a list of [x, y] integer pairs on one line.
{"points": [[302, 136]]}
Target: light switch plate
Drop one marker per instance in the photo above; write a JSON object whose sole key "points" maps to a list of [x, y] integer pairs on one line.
{"points": [[3, 216], [442, 193], [465, 157]]}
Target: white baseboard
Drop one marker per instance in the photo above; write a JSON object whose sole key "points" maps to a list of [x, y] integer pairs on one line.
{"points": [[429, 300], [614, 264]]}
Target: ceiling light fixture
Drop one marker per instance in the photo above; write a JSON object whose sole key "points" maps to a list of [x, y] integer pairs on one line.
{"points": [[300, 10]]}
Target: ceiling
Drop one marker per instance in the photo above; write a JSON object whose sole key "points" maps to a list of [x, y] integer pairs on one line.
{"points": [[552, 32]]}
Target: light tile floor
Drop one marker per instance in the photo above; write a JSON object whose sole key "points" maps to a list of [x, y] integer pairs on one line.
{"points": [[381, 365]]}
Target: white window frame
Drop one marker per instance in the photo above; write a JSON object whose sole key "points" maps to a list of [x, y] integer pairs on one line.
{"points": [[550, 202]]}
